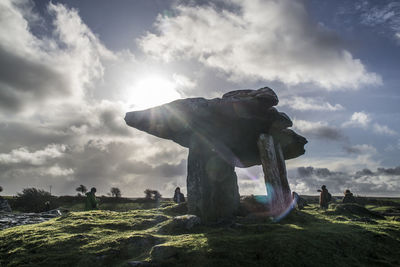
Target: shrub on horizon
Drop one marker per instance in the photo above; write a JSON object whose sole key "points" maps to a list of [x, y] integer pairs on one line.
{"points": [[33, 200]]}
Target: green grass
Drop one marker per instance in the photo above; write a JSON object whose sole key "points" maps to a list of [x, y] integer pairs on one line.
{"points": [[111, 206], [310, 237]]}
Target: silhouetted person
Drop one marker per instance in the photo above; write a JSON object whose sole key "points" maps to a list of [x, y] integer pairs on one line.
{"points": [[91, 202], [348, 197], [148, 194], [324, 197], [298, 201], [178, 196]]}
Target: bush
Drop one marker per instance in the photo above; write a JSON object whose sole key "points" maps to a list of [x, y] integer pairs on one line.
{"points": [[115, 192], [33, 200]]}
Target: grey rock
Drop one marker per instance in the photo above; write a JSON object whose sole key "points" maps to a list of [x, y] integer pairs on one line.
{"points": [[4, 206], [163, 252], [187, 221], [8, 220]]}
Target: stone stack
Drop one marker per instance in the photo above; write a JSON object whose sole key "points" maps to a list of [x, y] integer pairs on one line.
{"points": [[241, 129]]}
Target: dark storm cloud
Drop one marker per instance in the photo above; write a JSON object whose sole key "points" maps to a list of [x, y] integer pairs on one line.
{"points": [[328, 133], [319, 130], [389, 171], [352, 149], [22, 77], [381, 182]]}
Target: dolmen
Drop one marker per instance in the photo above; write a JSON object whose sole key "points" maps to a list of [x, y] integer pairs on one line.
{"points": [[241, 129]]}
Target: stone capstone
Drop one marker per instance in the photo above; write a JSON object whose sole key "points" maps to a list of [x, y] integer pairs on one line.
{"points": [[230, 125]]}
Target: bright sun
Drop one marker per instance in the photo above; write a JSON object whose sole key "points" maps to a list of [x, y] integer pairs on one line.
{"points": [[152, 91]]}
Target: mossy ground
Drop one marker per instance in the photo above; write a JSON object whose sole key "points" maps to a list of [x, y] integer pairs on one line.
{"points": [[310, 237]]}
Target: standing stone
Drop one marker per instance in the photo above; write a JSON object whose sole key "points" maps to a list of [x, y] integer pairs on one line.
{"points": [[213, 192], [274, 168]]}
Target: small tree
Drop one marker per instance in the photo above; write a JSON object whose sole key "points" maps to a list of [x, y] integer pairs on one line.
{"points": [[1, 189], [115, 192], [82, 189], [33, 200]]}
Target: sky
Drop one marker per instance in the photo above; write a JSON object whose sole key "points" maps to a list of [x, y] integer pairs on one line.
{"points": [[70, 70]]}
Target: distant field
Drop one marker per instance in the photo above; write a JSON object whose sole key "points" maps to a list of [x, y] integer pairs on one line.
{"points": [[310, 237]]}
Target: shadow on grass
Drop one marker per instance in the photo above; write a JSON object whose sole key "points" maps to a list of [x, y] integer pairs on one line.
{"points": [[300, 239]]}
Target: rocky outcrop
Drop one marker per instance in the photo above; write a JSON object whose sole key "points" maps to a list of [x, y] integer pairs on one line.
{"points": [[4, 206], [8, 220], [221, 134]]}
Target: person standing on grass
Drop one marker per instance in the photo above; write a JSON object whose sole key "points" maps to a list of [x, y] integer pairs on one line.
{"points": [[91, 201], [324, 197], [178, 196]]}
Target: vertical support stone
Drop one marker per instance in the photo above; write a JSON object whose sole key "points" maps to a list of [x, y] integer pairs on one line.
{"points": [[274, 168], [213, 193]]}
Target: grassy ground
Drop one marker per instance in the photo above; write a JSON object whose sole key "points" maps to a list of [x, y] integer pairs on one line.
{"points": [[310, 237]]}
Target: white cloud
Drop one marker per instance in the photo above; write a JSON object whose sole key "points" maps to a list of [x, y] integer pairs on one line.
{"points": [[385, 14], [308, 103], [182, 82], [383, 129], [363, 120], [57, 171], [38, 157], [269, 40], [358, 119]]}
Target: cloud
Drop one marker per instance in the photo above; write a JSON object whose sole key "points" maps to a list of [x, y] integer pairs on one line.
{"points": [[360, 149], [358, 119], [383, 129], [308, 103], [48, 69], [383, 181], [320, 130], [269, 40], [38, 157], [384, 16], [57, 171], [363, 120], [68, 89], [393, 147]]}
